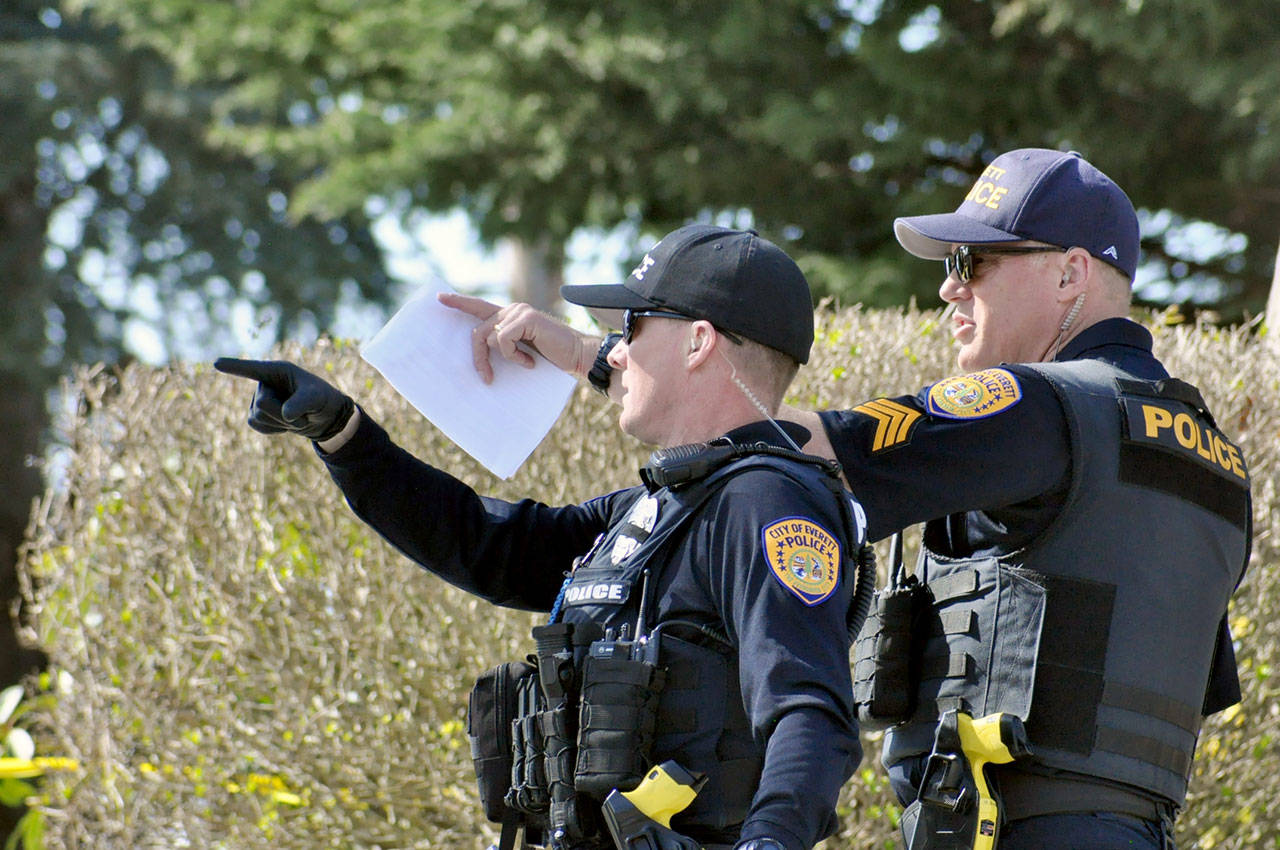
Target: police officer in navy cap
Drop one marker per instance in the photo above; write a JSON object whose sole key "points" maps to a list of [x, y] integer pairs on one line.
{"points": [[1086, 518], [734, 564]]}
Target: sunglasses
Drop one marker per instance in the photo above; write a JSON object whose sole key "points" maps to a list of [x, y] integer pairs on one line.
{"points": [[960, 262], [629, 318]]}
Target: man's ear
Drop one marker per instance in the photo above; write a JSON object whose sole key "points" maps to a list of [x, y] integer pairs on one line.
{"points": [[702, 342], [1078, 264]]}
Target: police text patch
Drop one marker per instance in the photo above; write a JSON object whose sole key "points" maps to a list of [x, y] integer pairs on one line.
{"points": [[1167, 447], [804, 557], [976, 395], [606, 592], [1168, 426]]}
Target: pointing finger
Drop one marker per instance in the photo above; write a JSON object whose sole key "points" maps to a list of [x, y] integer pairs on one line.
{"points": [[468, 304], [272, 373]]}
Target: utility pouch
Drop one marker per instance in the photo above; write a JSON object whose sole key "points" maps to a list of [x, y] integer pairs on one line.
{"points": [[491, 709], [528, 791], [618, 713], [561, 648], [571, 818], [887, 651]]}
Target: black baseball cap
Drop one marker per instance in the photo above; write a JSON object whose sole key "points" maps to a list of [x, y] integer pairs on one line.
{"points": [[1034, 194], [733, 279]]}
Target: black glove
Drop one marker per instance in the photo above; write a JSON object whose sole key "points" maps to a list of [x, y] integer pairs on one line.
{"points": [[289, 398]]}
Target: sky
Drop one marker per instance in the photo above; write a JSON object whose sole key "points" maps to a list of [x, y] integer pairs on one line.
{"points": [[446, 247]]}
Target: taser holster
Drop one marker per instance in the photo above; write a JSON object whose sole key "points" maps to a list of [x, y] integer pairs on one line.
{"points": [[956, 808], [640, 819]]}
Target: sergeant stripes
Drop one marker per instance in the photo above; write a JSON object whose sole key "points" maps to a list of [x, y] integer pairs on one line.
{"points": [[893, 422]]}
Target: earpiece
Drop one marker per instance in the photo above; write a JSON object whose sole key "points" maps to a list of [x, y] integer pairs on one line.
{"points": [[1072, 313], [1067, 321]]}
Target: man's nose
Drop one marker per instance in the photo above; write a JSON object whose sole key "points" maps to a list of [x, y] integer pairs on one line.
{"points": [[953, 290], [617, 355]]}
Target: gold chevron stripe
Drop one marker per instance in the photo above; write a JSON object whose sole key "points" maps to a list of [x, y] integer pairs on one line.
{"points": [[893, 422]]}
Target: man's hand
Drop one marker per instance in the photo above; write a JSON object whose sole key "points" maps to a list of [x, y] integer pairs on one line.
{"points": [[501, 328], [289, 398]]}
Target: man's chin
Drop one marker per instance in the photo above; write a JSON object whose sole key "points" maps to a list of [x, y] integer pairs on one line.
{"points": [[629, 426], [970, 358]]}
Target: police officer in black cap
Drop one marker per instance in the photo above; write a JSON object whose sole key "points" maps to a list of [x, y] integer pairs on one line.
{"points": [[732, 565], [1087, 520]]}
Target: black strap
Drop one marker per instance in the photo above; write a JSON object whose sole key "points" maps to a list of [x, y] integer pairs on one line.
{"points": [[1143, 749], [1170, 388], [510, 826], [601, 372], [698, 489], [955, 666], [895, 560], [956, 623], [635, 532], [609, 716], [1028, 794], [598, 760], [954, 586], [1142, 701]]}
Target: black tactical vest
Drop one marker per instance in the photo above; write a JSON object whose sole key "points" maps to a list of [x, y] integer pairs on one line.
{"points": [[701, 723], [1101, 634]]}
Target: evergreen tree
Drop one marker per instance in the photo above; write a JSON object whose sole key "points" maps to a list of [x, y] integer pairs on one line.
{"points": [[122, 229], [818, 122]]}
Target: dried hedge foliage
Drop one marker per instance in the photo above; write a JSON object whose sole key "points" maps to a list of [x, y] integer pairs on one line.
{"points": [[240, 663]]}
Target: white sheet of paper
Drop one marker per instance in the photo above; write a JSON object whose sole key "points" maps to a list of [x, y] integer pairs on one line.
{"points": [[424, 351]]}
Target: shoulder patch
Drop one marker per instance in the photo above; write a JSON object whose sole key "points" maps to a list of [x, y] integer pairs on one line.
{"points": [[804, 557], [976, 395], [894, 422]]}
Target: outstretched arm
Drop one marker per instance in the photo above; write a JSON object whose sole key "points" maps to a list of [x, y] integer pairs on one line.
{"points": [[818, 444]]}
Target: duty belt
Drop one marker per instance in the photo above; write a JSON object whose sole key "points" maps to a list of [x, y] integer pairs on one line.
{"points": [[1028, 795]]}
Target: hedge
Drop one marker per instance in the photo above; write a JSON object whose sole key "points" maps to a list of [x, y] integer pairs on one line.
{"points": [[240, 663]]}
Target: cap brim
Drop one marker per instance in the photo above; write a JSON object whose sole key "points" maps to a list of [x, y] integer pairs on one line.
{"points": [[611, 296], [931, 236], [605, 301]]}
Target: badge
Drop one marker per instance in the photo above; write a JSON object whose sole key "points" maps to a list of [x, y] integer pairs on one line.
{"points": [[645, 513], [804, 557], [976, 395], [623, 547], [640, 521]]}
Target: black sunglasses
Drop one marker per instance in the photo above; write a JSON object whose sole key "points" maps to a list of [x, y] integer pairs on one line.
{"points": [[960, 262], [629, 318]]}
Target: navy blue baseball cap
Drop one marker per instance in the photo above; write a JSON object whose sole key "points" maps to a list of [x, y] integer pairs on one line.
{"points": [[733, 279], [1038, 195]]}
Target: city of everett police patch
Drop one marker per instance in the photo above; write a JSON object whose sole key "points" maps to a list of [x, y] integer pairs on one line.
{"points": [[804, 557], [976, 395]]}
